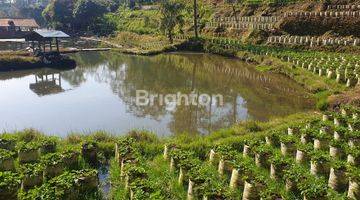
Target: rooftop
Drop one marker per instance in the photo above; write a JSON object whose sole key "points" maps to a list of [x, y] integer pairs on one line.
{"points": [[45, 34], [6, 22]]}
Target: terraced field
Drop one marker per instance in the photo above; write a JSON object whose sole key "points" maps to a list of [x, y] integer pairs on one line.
{"points": [[312, 159]]}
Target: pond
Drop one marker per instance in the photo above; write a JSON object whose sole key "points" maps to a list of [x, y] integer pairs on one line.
{"points": [[100, 94]]}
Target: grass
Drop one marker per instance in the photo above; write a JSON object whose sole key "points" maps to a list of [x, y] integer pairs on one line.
{"points": [[16, 59], [118, 189], [160, 168], [136, 21], [151, 144], [133, 43], [310, 81], [322, 100], [10, 61], [262, 68]]}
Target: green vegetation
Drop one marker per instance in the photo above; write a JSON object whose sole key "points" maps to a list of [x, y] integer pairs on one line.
{"points": [[56, 173], [10, 61], [75, 15], [280, 60], [224, 164], [15, 60], [136, 21], [300, 156], [171, 16], [229, 170], [263, 68]]}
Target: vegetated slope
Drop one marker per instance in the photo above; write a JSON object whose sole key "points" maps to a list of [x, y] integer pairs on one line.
{"points": [[148, 21], [312, 158]]}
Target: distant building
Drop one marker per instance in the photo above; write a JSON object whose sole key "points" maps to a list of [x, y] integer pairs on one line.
{"points": [[16, 28]]}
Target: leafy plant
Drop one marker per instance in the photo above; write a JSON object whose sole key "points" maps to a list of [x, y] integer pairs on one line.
{"points": [[52, 159], [313, 187], [5, 154], [25, 147], [9, 181], [32, 170]]}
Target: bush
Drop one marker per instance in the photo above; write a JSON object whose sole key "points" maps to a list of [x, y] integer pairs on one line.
{"points": [[252, 126], [322, 105]]}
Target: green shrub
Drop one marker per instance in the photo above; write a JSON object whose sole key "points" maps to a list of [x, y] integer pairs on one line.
{"points": [[252, 126]]}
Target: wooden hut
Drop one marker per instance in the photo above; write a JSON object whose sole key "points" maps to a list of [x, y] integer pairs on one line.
{"points": [[44, 38]]}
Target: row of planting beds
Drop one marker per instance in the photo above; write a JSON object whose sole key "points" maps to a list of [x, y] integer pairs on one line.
{"points": [[34, 166], [317, 159], [133, 170], [344, 68]]}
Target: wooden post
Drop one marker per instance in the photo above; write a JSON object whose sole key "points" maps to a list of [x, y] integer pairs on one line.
{"points": [[51, 45], [44, 46], [57, 44], [32, 45], [60, 80]]}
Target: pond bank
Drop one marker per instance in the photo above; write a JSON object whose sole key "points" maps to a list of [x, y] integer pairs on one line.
{"points": [[134, 49], [23, 60], [9, 62]]}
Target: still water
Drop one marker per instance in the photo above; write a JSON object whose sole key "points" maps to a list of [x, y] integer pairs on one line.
{"points": [[100, 94]]}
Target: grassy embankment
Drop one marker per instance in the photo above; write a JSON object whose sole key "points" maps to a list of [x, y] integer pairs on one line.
{"points": [[133, 43], [19, 60]]}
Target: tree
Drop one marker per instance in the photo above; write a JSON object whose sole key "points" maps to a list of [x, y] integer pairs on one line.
{"points": [[172, 16], [59, 14], [234, 6], [86, 12], [33, 12], [196, 20]]}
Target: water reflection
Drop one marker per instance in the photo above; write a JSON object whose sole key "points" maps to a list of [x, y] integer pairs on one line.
{"points": [[248, 94], [46, 84]]}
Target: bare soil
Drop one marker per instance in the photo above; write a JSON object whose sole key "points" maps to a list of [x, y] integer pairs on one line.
{"points": [[350, 97]]}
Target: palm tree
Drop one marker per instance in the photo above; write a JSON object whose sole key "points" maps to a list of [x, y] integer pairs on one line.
{"points": [[196, 20]]}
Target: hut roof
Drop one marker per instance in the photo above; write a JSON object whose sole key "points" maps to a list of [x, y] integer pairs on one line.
{"points": [[44, 34], [6, 22]]}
